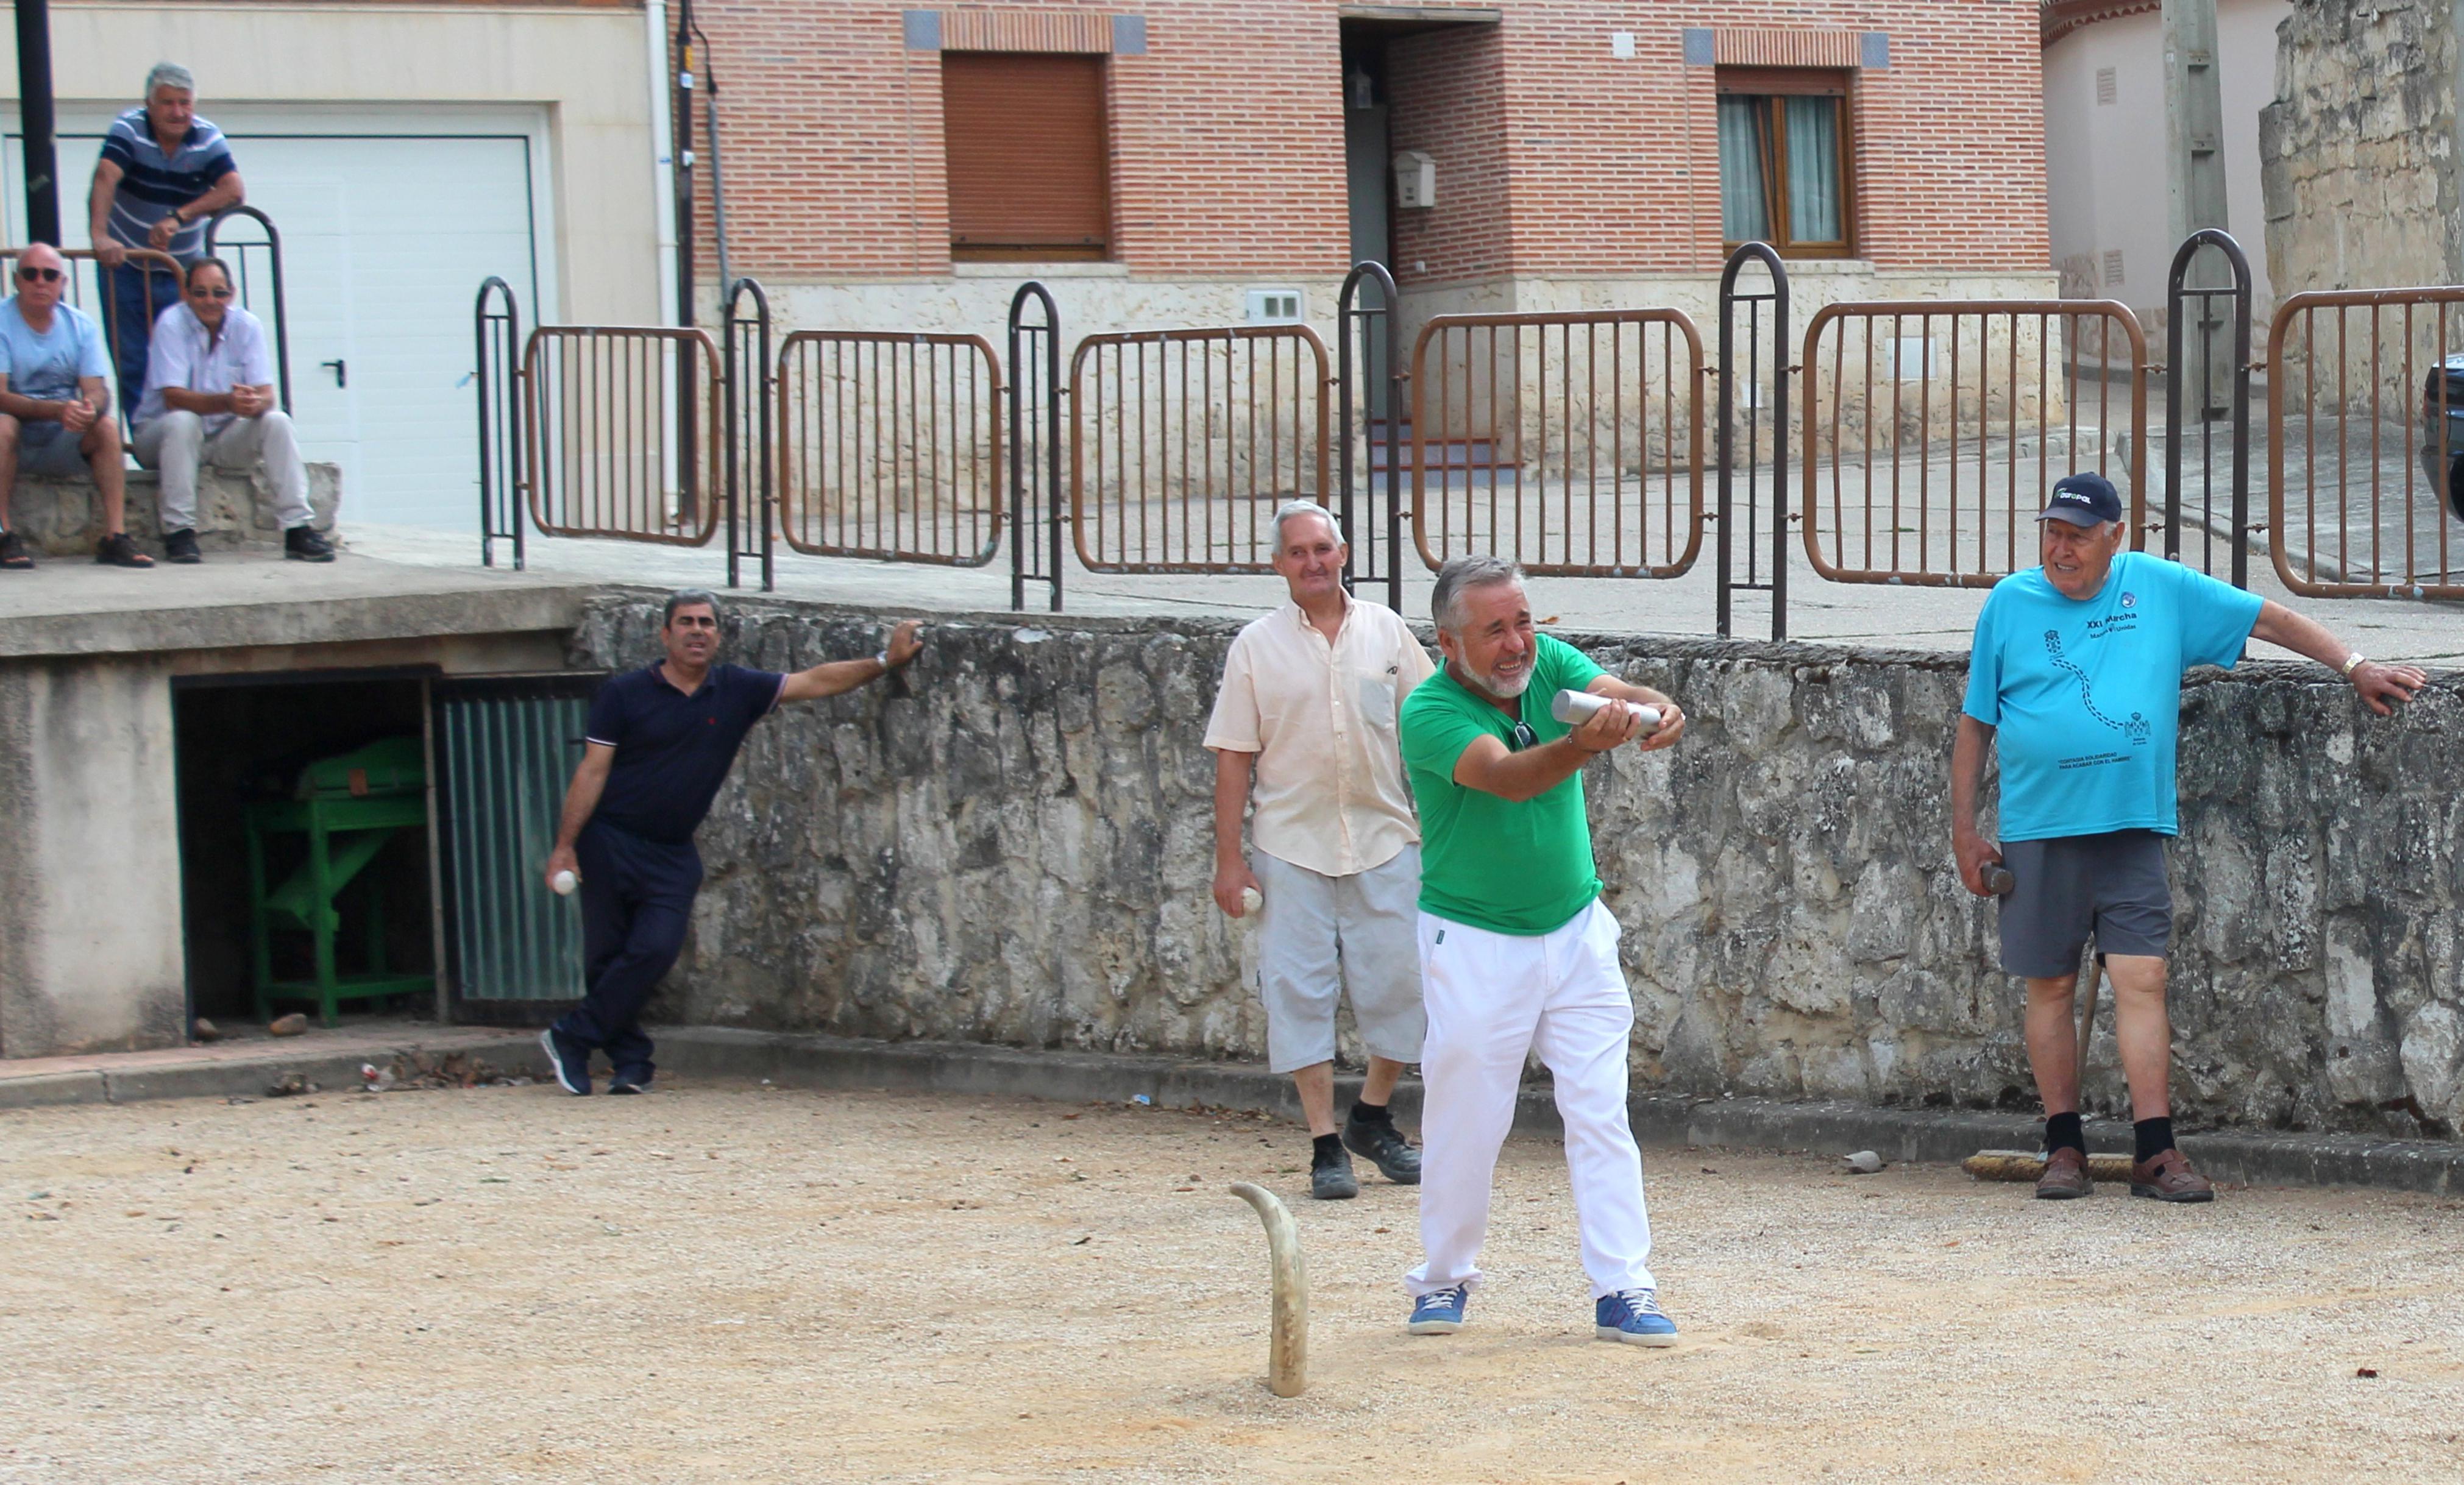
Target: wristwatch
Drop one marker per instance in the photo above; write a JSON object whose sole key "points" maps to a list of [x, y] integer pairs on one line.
{"points": [[2354, 663], [883, 660]]}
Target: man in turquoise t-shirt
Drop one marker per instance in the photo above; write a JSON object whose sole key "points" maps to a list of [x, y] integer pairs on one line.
{"points": [[2076, 675], [1517, 955]]}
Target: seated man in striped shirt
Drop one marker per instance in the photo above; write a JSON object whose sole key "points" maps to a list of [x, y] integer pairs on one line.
{"points": [[164, 171]]}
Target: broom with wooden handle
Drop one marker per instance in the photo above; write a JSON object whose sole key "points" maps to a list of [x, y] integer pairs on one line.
{"points": [[2010, 1165]]}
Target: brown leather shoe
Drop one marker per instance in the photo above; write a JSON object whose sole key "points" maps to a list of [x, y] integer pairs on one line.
{"points": [[2065, 1176], [2168, 1177]]}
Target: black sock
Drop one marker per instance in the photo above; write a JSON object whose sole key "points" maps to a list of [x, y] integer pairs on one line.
{"points": [[1325, 1149], [2062, 1131], [2155, 1136], [1368, 1113]]}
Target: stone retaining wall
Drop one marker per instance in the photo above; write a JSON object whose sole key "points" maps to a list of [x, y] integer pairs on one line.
{"points": [[1020, 853]]}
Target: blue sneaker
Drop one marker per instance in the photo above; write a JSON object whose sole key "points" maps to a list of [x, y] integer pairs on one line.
{"points": [[1440, 1313], [1633, 1316], [571, 1061]]}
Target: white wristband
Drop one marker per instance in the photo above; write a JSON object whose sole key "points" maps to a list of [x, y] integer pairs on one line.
{"points": [[883, 660], [2358, 660]]}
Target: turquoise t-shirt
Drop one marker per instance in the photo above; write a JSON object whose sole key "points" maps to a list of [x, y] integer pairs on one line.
{"points": [[2085, 694], [1496, 865]]}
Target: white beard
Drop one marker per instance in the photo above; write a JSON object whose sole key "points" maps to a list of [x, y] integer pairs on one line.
{"points": [[1504, 690]]}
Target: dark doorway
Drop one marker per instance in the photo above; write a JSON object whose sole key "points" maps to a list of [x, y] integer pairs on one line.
{"points": [[247, 740]]}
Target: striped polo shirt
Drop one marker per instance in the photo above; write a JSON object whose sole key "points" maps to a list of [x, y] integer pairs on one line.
{"points": [[153, 185]]}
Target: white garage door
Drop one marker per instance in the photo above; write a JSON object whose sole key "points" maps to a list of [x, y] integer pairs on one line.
{"points": [[386, 238]]}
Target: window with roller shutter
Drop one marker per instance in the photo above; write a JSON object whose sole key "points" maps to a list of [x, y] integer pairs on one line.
{"points": [[1029, 166]]}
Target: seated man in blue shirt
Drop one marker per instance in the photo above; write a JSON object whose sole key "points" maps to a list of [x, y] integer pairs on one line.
{"points": [[2076, 675], [55, 415], [659, 743]]}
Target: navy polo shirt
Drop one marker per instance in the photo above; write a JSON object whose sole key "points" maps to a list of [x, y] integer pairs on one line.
{"points": [[674, 750]]}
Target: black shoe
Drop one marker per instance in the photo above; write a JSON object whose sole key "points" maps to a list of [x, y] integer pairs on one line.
{"points": [[1397, 1158], [12, 554], [1330, 1178], [303, 544], [117, 550], [180, 546], [571, 1061], [629, 1082]]}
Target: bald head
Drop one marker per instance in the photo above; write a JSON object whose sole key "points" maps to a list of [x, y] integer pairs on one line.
{"points": [[41, 276]]}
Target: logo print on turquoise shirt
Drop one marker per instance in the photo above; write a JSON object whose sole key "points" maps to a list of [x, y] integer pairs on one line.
{"points": [[2088, 691]]}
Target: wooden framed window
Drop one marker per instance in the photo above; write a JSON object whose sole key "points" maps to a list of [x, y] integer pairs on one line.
{"points": [[1784, 175], [1029, 160]]}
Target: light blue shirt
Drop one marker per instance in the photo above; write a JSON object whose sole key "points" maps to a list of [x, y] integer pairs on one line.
{"points": [[46, 367], [2085, 694]]}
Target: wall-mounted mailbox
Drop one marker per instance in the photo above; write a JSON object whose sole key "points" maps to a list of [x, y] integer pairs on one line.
{"points": [[1416, 179]]}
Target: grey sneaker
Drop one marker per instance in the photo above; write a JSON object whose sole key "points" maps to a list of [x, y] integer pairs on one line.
{"points": [[1333, 1180], [1397, 1158]]}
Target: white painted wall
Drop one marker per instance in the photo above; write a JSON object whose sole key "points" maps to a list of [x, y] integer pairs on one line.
{"points": [[2105, 162]]}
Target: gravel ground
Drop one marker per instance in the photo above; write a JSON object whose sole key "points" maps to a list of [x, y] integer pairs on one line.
{"points": [[725, 1283]]}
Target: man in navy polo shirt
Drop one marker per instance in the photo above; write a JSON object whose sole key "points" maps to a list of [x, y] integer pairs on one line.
{"points": [[659, 745], [2077, 677]]}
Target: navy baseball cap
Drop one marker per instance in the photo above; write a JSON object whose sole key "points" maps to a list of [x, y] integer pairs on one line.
{"points": [[2083, 499]]}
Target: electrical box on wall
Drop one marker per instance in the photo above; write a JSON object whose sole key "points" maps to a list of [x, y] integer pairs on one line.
{"points": [[1274, 306], [1416, 179]]}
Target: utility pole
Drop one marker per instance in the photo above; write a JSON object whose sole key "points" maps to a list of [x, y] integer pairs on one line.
{"points": [[2194, 127], [34, 112]]}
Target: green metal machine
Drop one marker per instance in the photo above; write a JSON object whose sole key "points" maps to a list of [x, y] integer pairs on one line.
{"points": [[349, 807]]}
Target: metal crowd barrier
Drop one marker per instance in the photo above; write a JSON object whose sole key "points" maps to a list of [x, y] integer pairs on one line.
{"points": [[256, 279], [497, 320], [613, 439], [890, 445], [1571, 443], [2366, 396], [1183, 442], [1942, 426]]}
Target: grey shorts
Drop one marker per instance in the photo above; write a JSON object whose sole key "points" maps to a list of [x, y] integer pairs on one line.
{"points": [[2111, 886], [49, 448], [1318, 935]]}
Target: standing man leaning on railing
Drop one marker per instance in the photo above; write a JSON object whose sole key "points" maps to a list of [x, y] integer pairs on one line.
{"points": [[209, 400], [2076, 673], [164, 171], [1305, 728]]}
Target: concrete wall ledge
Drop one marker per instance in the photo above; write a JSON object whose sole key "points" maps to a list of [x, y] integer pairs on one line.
{"points": [[794, 1059]]}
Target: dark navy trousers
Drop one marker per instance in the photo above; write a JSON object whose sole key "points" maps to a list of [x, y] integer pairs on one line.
{"points": [[637, 895]]}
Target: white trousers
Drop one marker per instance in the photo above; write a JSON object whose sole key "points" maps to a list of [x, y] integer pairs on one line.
{"points": [[176, 443], [1492, 1000]]}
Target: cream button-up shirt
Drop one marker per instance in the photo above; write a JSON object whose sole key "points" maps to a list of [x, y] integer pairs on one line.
{"points": [[1329, 791]]}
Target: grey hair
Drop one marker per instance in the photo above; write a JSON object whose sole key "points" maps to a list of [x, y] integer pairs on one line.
{"points": [[686, 598], [1477, 570], [171, 73], [1293, 510]]}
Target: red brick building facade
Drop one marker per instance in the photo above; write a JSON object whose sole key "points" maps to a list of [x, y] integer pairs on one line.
{"points": [[1576, 148]]}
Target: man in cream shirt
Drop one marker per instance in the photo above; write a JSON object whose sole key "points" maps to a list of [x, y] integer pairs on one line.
{"points": [[1305, 728]]}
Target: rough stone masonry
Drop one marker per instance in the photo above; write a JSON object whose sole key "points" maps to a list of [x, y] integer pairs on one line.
{"points": [[1019, 853]]}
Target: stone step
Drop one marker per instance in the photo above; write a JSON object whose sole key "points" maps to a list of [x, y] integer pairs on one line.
{"points": [[63, 517]]}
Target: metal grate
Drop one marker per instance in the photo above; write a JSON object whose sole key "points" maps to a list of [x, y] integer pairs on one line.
{"points": [[505, 750]]}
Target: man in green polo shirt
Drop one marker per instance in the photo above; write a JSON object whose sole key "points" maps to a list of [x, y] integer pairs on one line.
{"points": [[1517, 953]]}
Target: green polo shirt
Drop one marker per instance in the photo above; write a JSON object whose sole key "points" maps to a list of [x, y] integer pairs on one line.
{"points": [[1512, 868]]}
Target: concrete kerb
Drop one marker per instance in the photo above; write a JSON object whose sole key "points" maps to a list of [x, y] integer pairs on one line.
{"points": [[812, 1060], [790, 1060]]}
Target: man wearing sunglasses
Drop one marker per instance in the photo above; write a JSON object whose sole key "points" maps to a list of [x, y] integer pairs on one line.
{"points": [[1518, 954], [54, 414], [209, 400]]}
